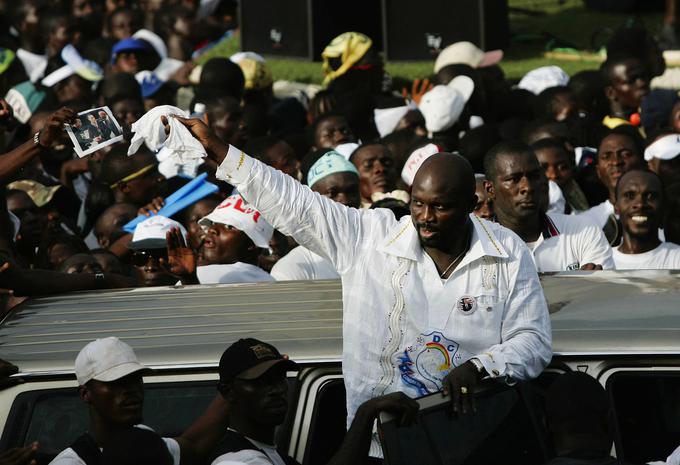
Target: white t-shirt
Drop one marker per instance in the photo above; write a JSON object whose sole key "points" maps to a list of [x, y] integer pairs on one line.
{"points": [[569, 242], [252, 457], [303, 264], [234, 273], [665, 257], [599, 214], [69, 457]]}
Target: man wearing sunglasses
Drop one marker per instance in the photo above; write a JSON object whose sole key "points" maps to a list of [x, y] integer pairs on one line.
{"points": [[149, 251]]}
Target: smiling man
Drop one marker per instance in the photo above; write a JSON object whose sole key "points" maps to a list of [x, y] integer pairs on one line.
{"points": [[442, 277], [518, 185], [619, 151], [639, 203]]}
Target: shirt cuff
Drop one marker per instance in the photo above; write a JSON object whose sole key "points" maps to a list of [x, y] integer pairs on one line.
{"points": [[235, 167], [494, 364]]}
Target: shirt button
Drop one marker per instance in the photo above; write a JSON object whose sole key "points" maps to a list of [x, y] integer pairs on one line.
{"points": [[488, 309]]}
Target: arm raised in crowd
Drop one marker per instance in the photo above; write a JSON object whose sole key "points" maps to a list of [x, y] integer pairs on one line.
{"points": [[45, 282], [16, 159], [325, 227]]}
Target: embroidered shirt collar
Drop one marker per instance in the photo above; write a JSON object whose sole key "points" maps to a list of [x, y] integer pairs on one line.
{"points": [[403, 241]]}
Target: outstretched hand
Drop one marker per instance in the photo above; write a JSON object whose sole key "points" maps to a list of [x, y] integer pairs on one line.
{"points": [[54, 126], [396, 403], [152, 207], [181, 259]]}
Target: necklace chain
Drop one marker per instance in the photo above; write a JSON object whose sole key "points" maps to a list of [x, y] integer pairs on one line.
{"points": [[452, 263]]}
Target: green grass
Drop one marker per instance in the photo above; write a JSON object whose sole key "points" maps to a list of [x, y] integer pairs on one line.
{"points": [[568, 21]]}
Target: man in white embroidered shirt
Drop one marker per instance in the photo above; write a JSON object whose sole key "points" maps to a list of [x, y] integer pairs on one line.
{"points": [[434, 301]]}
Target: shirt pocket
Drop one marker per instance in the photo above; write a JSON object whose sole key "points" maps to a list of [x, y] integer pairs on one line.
{"points": [[488, 315]]}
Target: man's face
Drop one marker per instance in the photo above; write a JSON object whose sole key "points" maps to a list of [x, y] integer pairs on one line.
{"points": [[518, 187], [127, 111], [264, 399], [630, 83], [195, 232], [279, 246], [33, 220], [556, 164], [142, 189], [282, 157], [223, 245], [332, 132], [231, 127], [110, 228], [127, 62], [616, 155], [439, 210], [376, 170], [639, 204], [149, 269], [121, 25], [82, 263], [341, 187], [484, 205], [119, 402]]}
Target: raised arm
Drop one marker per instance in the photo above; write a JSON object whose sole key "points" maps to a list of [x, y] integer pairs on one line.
{"points": [[14, 160], [316, 222]]}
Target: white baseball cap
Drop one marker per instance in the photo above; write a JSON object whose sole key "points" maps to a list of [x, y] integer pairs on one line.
{"points": [[150, 233], [234, 211], [106, 360], [443, 105], [416, 159], [466, 53], [539, 79], [664, 148]]}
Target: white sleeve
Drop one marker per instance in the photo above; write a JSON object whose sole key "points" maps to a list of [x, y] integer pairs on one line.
{"points": [[292, 267], [594, 247], [526, 335], [173, 448], [328, 228], [243, 457]]}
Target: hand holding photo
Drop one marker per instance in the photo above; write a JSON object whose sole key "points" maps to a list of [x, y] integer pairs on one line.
{"points": [[94, 129]]}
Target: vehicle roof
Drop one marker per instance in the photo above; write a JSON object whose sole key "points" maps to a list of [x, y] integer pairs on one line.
{"points": [[593, 313]]}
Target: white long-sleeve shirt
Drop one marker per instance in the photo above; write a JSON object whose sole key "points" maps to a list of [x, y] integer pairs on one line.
{"points": [[404, 328]]}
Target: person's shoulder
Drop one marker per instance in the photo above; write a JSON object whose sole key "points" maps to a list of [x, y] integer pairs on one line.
{"points": [[67, 457], [671, 247], [243, 457], [572, 224]]}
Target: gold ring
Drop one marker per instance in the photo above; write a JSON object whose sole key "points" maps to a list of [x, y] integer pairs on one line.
{"points": [[463, 390]]}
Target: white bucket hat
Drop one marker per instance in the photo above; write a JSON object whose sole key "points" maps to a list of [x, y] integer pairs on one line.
{"points": [[234, 211]]}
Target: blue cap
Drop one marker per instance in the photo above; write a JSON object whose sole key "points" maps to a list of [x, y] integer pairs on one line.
{"points": [[127, 45], [330, 163]]}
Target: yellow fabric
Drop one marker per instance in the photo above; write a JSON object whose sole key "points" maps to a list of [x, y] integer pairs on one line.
{"points": [[134, 175], [257, 74], [39, 194], [350, 47], [612, 121]]}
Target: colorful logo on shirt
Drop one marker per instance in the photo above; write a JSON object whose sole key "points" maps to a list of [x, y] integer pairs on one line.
{"points": [[467, 305], [424, 365]]}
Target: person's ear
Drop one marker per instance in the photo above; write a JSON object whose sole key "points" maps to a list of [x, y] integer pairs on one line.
{"points": [[610, 93], [488, 187]]}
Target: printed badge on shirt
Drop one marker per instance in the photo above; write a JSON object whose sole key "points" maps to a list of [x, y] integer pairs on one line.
{"points": [[426, 363]]}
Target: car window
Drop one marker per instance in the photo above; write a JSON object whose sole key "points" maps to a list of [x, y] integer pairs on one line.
{"points": [[647, 414], [55, 418], [327, 428]]}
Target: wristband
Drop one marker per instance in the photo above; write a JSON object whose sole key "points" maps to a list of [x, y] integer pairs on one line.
{"points": [[36, 140], [477, 364]]}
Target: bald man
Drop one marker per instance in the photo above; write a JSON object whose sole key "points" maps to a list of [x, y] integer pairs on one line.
{"points": [[435, 301]]}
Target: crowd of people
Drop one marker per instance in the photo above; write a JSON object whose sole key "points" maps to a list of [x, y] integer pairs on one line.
{"points": [[451, 194]]}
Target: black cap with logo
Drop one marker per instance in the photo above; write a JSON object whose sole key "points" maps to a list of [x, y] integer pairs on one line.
{"points": [[250, 359]]}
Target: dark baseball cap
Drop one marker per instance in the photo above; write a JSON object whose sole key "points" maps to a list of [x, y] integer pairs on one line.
{"points": [[250, 359]]}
